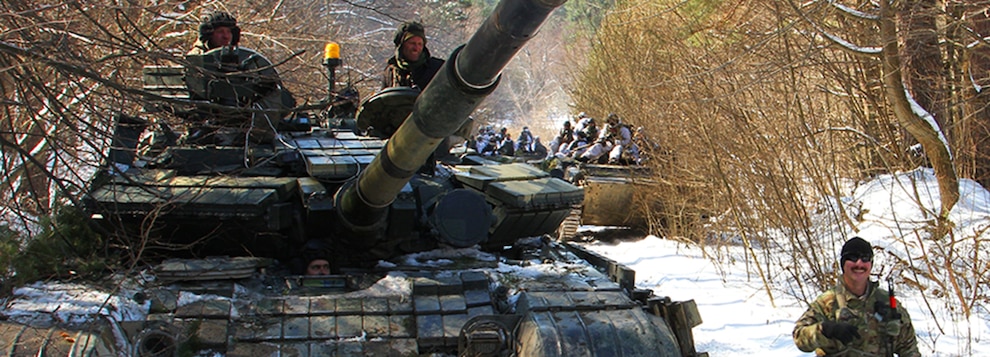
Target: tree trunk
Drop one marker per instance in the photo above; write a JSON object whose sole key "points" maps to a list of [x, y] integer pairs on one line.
{"points": [[924, 129], [925, 73], [975, 131]]}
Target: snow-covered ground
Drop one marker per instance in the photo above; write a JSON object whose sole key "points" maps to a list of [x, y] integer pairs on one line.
{"points": [[740, 317]]}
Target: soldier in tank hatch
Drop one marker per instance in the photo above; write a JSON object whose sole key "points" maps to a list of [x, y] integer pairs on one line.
{"points": [[411, 65], [217, 30], [223, 73], [313, 259], [318, 266]]}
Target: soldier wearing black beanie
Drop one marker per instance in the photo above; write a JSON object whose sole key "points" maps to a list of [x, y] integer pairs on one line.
{"points": [[854, 248]]}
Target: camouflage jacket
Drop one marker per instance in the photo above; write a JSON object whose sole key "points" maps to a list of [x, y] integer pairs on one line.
{"points": [[841, 305], [198, 48], [400, 73]]}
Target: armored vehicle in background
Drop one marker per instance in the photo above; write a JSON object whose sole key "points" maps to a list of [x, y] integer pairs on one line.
{"points": [[610, 195], [425, 260]]}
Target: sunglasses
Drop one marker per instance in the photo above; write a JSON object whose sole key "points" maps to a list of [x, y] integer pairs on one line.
{"points": [[855, 257]]}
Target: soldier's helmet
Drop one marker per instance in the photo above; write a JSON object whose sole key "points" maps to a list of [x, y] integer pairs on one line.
{"points": [[409, 30], [315, 249], [612, 118], [219, 19]]}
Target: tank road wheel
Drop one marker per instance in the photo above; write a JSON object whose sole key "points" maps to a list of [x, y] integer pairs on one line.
{"points": [[568, 228]]}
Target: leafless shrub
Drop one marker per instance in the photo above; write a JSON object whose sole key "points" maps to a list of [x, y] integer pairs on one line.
{"points": [[768, 125]]}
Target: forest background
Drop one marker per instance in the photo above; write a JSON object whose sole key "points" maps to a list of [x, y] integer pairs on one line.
{"points": [[762, 110]]}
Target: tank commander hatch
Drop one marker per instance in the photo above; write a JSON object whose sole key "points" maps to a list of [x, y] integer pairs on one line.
{"points": [[224, 74]]}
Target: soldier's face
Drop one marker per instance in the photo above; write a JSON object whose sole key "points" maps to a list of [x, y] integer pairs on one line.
{"points": [[318, 267], [221, 37], [856, 272], [413, 48]]}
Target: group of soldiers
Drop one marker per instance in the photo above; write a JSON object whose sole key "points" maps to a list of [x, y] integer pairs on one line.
{"points": [[261, 89], [488, 142], [614, 144]]}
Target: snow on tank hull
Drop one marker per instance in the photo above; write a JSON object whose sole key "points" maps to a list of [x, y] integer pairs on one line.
{"points": [[550, 302]]}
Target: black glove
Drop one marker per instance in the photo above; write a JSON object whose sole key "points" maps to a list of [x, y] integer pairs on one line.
{"points": [[886, 312], [841, 331]]}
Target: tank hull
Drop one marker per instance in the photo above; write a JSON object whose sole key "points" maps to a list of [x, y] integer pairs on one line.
{"points": [[445, 302]]}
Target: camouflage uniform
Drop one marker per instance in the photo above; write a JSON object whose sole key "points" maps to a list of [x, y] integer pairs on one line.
{"points": [[199, 48], [410, 72], [841, 305], [418, 74]]}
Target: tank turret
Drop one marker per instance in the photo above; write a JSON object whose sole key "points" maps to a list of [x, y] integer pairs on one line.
{"points": [[468, 76], [368, 197]]}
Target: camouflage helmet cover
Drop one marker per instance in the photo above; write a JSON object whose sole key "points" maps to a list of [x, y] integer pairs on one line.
{"points": [[409, 30], [219, 19]]}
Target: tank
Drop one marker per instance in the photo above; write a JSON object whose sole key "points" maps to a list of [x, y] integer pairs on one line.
{"points": [[424, 258]]}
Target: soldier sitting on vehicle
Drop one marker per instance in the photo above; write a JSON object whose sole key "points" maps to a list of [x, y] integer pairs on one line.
{"points": [[615, 141], [226, 75], [502, 133], [505, 146], [596, 151], [623, 150], [481, 140], [587, 125], [563, 138], [526, 142], [490, 146], [577, 147]]}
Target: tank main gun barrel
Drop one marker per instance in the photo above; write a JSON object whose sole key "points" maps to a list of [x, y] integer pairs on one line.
{"points": [[468, 77]]}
